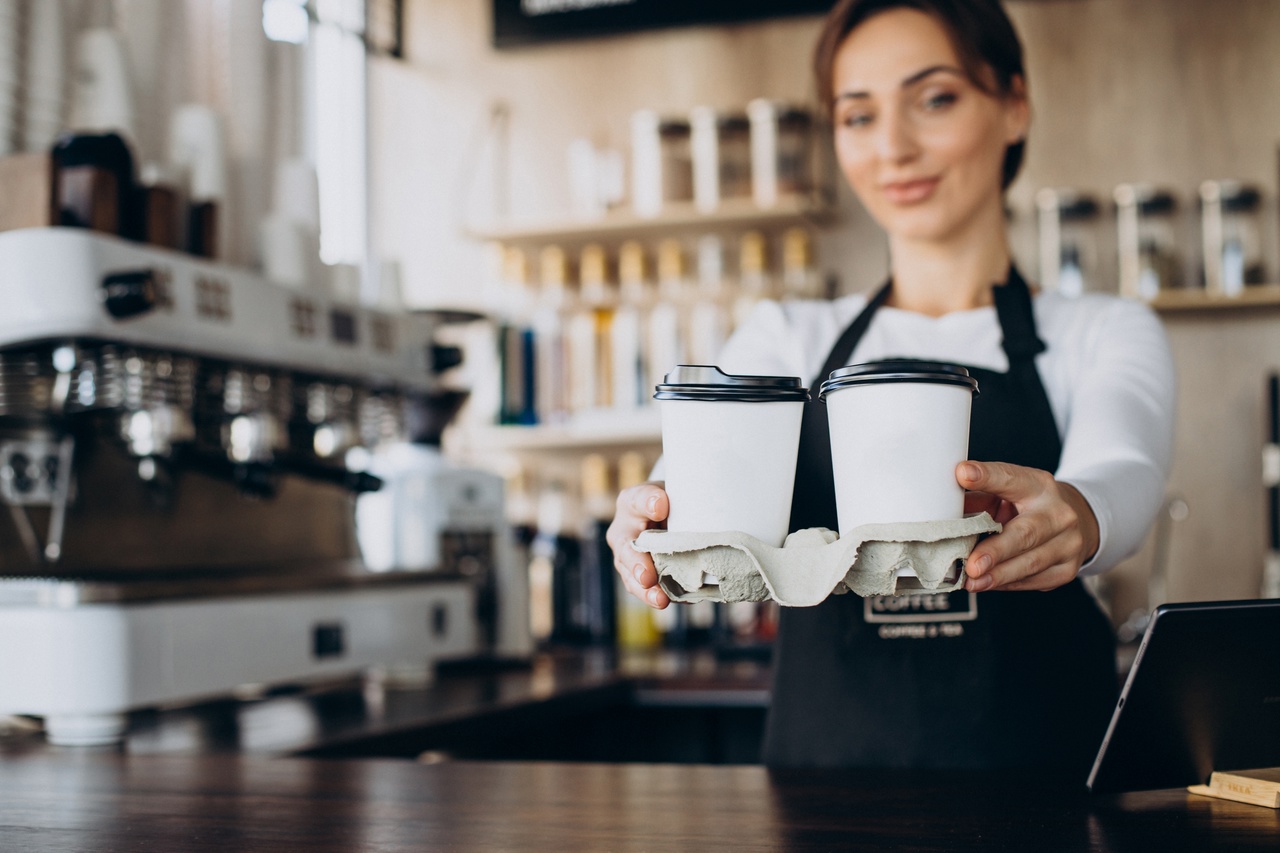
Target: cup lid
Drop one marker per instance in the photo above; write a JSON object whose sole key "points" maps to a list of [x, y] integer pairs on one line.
{"points": [[708, 382], [899, 370]]}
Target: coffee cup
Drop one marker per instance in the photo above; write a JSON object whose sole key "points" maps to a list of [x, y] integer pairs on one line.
{"points": [[898, 431], [729, 448]]}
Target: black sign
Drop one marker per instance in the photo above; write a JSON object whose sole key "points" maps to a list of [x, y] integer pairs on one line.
{"points": [[521, 22]]}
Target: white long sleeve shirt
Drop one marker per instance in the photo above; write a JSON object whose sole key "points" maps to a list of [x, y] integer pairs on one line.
{"points": [[1107, 371]]}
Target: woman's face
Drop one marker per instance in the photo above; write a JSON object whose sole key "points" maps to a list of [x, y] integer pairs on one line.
{"points": [[921, 145]]}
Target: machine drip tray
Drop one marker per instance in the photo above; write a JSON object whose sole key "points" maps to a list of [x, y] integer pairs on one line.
{"points": [[154, 585]]}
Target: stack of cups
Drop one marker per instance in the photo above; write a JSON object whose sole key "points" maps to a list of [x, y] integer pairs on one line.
{"points": [[8, 75], [729, 445], [46, 77], [898, 431]]}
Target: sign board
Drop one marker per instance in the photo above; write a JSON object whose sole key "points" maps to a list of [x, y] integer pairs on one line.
{"points": [[523, 22]]}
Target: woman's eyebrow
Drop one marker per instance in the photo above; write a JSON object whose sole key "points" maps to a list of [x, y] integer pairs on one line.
{"points": [[911, 80]]}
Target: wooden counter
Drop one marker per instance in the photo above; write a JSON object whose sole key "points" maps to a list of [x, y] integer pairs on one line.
{"points": [[94, 801]]}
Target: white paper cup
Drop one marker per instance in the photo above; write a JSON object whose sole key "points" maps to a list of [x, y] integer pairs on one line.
{"points": [[729, 447], [898, 431]]}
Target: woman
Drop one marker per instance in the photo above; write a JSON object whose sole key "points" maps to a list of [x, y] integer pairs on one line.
{"points": [[1070, 438]]}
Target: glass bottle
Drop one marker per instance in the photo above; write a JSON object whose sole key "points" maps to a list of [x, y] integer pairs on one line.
{"points": [[754, 283], [598, 575], [588, 335], [551, 383], [516, 343], [800, 277], [630, 390], [709, 317], [667, 326]]}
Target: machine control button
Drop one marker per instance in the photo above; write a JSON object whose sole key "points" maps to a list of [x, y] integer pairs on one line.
{"points": [[129, 294], [439, 620], [444, 358], [327, 641]]}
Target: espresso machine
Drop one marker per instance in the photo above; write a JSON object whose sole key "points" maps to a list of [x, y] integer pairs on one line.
{"points": [[179, 495]]}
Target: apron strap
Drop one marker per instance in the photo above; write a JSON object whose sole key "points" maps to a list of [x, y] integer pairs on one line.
{"points": [[1017, 320], [848, 340]]}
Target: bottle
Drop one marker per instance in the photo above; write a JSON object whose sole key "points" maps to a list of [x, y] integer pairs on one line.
{"points": [[709, 315], [599, 579], [550, 385], [637, 627], [666, 326], [588, 333], [522, 520], [754, 283], [516, 344], [557, 568], [800, 278], [630, 385]]}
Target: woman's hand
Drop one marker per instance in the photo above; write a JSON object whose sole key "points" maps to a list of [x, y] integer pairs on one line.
{"points": [[639, 508], [1049, 529]]}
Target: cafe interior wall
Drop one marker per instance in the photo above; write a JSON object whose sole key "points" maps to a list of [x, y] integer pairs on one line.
{"points": [[1170, 92]]}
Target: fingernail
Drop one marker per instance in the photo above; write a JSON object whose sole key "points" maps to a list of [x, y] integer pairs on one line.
{"points": [[652, 596], [652, 503], [982, 563], [970, 471], [638, 573], [983, 582]]}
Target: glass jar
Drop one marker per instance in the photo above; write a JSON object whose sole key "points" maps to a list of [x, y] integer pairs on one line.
{"points": [[1068, 223], [1230, 234], [1146, 234], [677, 161], [782, 151]]}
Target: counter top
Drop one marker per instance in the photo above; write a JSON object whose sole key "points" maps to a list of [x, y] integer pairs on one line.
{"points": [[377, 717], [109, 801]]}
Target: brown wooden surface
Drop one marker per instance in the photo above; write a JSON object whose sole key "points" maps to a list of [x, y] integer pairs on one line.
{"points": [[93, 801]]}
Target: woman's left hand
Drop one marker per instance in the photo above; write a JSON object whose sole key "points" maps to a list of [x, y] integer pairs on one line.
{"points": [[1049, 529]]}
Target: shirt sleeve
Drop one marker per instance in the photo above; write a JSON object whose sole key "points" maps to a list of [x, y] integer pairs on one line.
{"points": [[1118, 442]]}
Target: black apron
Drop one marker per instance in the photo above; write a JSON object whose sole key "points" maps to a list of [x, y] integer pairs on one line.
{"points": [[975, 681]]}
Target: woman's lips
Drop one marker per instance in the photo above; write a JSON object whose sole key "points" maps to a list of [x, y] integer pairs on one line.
{"points": [[910, 192]]}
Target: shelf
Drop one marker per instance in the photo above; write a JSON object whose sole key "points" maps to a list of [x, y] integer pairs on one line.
{"points": [[1254, 296], [591, 431], [735, 214]]}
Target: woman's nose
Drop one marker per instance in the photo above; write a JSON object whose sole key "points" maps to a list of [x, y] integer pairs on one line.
{"points": [[896, 141]]}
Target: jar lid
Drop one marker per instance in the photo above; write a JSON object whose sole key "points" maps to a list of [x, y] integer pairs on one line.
{"points": [[899, 370], [707, 382]]}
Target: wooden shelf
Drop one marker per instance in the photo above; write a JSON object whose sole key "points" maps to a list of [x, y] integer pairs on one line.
{"points": [[734, 214], [1254, 296], [591, 431]]}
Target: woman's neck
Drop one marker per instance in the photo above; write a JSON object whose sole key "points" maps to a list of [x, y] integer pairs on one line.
{"points": [[939, 277]]}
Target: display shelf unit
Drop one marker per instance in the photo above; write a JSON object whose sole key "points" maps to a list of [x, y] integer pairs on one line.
{"points": [[1253, 296], [736, 214], [591, 431]]}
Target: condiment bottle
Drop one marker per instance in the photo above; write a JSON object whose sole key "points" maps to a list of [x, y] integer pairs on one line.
{"points": [[587, 335], [754, 283], [800, 278], [667, 319], [709, 317], [549, 343], [630, 389]]}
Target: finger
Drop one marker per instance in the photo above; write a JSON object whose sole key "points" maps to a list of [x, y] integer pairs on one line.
{"points": [[1057, 551], [653, 597], [1045, 581], [1022, 534], [637, 565], [650, 501], [1011, 482]]}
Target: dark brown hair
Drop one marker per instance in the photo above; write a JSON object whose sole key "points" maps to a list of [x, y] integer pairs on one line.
{"points": [[981, 33]]}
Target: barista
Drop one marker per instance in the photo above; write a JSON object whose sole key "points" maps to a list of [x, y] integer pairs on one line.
{"points": [[1070, 437]]}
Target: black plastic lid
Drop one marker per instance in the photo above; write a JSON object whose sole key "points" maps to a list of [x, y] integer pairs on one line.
{"points": [[900, 370], [707, 382]]}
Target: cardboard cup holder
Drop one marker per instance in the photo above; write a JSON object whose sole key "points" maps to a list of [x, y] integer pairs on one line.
{"points": [[875, 559]]}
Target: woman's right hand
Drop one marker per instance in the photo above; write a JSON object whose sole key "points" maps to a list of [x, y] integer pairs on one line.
{"points": [[639, 508]]}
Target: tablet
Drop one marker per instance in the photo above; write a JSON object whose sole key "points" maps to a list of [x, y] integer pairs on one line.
{"points": [[1203, 695]]}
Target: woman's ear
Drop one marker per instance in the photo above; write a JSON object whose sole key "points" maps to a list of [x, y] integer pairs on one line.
{"points": [[1017, 111]]}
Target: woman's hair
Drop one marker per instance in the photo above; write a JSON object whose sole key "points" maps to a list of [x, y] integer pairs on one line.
{"points": [[981, 33]]}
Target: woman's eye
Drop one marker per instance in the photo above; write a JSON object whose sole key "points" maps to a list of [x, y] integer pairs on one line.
{"points": [[856, 120], [939, 100]]}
